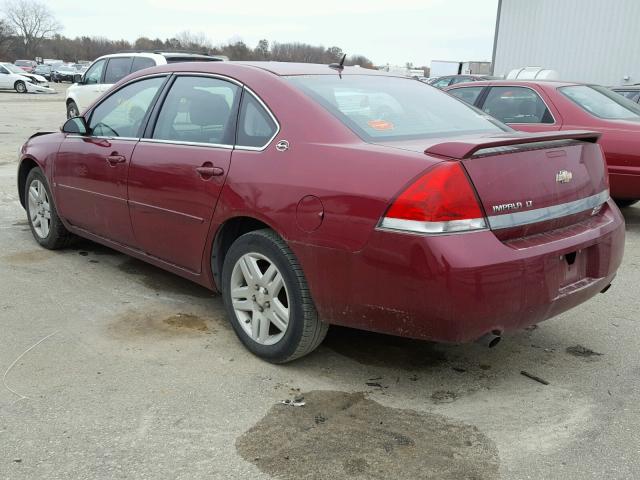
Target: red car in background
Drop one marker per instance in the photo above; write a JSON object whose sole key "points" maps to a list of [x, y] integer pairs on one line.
{"points": [[27, 65], [311, 195], [544, 106]]}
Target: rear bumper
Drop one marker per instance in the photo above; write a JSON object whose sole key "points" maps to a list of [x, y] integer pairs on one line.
{"points": [[456, 288]]}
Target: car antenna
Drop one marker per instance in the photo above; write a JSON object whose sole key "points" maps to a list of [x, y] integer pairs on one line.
{"points": [[338, 66]]}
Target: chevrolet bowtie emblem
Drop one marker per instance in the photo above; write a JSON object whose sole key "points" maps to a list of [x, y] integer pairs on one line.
{"points": [[564, 176]]}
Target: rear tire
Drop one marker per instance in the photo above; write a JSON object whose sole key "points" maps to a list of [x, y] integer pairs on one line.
{"points": [[72, 110], [46, 226], [624, 203], [20, 87], [262, 279]]}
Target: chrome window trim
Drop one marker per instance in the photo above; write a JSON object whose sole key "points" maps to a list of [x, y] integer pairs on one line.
{"points": [[518, 219], [192, 144], [519, 86], [273, 117], [205, 74]]}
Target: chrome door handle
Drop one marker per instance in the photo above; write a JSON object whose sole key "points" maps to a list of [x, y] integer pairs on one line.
{"points": [[115, 159], [209, 171]]}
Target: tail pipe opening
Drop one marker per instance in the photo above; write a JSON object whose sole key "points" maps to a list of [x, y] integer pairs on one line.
{"points": [[490, 339]]}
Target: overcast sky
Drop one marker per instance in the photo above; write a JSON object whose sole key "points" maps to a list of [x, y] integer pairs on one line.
{"points": [[386, 31]]}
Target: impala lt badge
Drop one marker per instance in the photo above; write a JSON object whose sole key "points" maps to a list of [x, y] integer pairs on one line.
{"points": [[564, 176], [505, 207]]}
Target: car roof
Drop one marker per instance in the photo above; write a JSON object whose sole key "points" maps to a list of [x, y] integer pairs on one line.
{"points": [[290, 68], [275, 68], [626, 87]]}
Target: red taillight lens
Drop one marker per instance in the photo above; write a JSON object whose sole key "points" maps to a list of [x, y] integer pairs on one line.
{"points": [[440, 201]]}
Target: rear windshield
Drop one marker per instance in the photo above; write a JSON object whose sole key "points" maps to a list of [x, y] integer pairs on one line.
{"points": [[602, 102], [392, 108]]}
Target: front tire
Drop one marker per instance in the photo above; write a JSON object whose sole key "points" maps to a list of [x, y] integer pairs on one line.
{"points": [[72, 110], [20, 87], [624, 203], [46, 226], [267, 298]]}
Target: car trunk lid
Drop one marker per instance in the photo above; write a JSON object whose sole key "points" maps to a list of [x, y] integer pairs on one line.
{"points": [[532, 183]]}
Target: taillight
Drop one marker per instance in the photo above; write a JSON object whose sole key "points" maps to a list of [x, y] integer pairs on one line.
{"points": [[440, 201]]}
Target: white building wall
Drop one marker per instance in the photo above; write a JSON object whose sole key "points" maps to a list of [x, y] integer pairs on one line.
{"points": [[595, 41]]}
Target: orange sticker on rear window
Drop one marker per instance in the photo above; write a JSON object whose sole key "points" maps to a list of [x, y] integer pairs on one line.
{"points": [[380, 125]]}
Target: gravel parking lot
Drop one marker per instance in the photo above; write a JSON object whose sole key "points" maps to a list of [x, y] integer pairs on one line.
{"points": [[115, 369]]}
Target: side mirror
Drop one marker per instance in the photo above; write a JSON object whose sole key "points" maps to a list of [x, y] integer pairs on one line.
{"points": [[77, 125], [77, 78]]}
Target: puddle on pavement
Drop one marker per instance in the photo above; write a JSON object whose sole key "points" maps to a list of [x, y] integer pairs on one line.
{"points": [[161, 280], [375, 349], [29, 257], [136, 323], [341, 435]]}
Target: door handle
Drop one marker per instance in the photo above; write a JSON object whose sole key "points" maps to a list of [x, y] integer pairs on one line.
{"points": [[208, 171], [115, 159]]}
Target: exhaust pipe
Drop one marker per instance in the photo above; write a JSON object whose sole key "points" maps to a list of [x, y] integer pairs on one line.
{"points": [[490, 339], [605, 288]]}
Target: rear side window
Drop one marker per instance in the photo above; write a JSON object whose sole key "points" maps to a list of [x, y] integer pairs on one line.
{"points": [[117, 69], [393, 108], [198, 110], [256, 127], [94, 74], [467, 94], [140, 63], [516, 105]]}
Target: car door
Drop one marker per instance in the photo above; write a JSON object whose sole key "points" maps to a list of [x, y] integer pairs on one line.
{"points": [[179, 168], [90, 88], [520, 107], [91, 171]]}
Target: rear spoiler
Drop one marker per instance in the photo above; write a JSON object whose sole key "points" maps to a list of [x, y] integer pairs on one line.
{"points": [[463, 149]]}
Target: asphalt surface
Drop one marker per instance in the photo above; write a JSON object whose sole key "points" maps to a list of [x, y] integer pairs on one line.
{"points": [[114, 369]]}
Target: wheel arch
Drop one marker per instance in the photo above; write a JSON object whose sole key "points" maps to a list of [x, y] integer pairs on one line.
{"points": [[227, 233], [26, 165]]}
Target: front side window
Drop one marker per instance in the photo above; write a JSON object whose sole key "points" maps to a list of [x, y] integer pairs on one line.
{"points": [[516, 105], [392, 108], [94, 74], [122, 113], [467, 94], [602, 102], [198, 110], [256, 128], [117, 69]]}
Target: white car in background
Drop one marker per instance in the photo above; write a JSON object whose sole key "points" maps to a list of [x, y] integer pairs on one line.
{"points": [[110, 69], [14, 78]]}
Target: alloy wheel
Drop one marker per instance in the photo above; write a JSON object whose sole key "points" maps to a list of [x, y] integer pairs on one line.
{"points": [[39, 209], [259, 298]]}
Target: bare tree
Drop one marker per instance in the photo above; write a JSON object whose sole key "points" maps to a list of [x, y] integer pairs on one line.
{"points": [[262, 49], [6, 34], [33, 21]]}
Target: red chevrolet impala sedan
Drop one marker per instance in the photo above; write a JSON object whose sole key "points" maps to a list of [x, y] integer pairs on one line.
{"points": [[311, 195], [545, 106]]}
